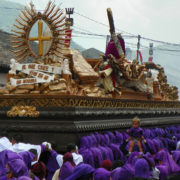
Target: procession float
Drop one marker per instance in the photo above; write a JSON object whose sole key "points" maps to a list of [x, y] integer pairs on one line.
{"points": [[60, 96]]}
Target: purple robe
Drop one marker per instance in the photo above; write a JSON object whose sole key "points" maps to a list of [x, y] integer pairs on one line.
{"points": [[101, 174], [52, 164], [6, 156], [81, 170], [18, 167], [116, 151], [123, 173], [27, 158], [24, 178], [163, 171], [111, 48], [135, 132], [142, 168], [66, 170], [97, 156], [176, 156], [87, 156], [167, 160]]}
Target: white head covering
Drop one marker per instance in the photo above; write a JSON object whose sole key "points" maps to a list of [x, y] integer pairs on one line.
{"points": [[47, 144], [5, 144]]}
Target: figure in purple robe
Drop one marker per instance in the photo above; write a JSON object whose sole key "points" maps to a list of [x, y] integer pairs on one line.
{"points": [[101, 174], [112, 49], [66, 170], [81, 171], [39, 170], [17, 168], [142, 169], [27, 157], [123, 173], [51, 159], [164, 158]]}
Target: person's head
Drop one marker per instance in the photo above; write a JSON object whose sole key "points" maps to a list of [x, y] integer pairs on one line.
{"points": [[117, 163], [16, 138], [136, 122], [39, 170], [34, 151], [142, 168], [16, 168], [68, 158], [72, 147], [107, 164], [82, 172], [101, 174], [66, 170], [122, 173]]}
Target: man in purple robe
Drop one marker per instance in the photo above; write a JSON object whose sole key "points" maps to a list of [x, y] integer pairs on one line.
{"points": [[101, 174], [112, 49], [16, 168], [82, 171], [142, 169], [51, 159]]}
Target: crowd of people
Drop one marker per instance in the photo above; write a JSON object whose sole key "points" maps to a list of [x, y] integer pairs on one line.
{"points": [[133, 154]]}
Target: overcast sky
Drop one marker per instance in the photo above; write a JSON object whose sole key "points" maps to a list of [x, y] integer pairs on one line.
{"points": [[155, 19]]}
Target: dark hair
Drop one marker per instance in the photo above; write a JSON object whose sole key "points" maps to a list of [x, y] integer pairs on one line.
{"points": [[44, 157], [117, 163], [39, 169], [71, 147], [18, 137], [34, 151]]}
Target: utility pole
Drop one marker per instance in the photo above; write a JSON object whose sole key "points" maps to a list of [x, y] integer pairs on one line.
{"points": [[69, 20], [150, 52], [69, 23]]}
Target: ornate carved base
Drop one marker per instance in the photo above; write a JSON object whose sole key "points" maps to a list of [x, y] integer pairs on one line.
{"points": [[64, 119]]}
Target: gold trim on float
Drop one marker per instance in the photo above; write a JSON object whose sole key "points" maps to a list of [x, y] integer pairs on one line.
{"points": [[87, 102], [23, 111]]}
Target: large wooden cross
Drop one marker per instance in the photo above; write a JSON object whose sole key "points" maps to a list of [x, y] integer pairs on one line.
{"points": [[40, 38]]}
